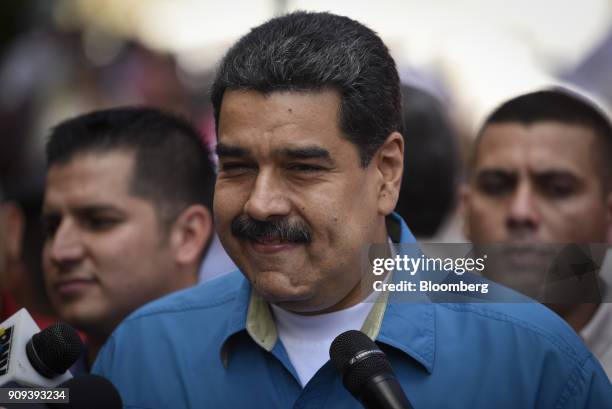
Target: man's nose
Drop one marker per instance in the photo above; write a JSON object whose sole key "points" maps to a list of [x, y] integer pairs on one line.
{"points": [[66, 244], [268, 198], [523, 214]]}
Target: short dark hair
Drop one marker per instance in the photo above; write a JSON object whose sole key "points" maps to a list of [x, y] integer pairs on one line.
{"points": [[305, 51], [172, 166], [562, 106]]}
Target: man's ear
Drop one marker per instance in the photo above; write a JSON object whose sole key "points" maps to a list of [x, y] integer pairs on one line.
{"points": [[465, 195], [13, 228], [390, 164], [190, 234]]}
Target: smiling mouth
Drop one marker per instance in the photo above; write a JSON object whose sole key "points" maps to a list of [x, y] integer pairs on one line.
{"points": [[268, 246], [271, 241]]}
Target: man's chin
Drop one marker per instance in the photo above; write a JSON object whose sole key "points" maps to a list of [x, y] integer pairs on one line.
{"points": [[300, 307], [300, 301], [282, 295], [278, 287]]}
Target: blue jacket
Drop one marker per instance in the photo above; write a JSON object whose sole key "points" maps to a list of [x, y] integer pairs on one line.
{"points": [[216, 346]]}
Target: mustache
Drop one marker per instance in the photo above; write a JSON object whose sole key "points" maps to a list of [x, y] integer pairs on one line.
{"points": [[277, 229]]}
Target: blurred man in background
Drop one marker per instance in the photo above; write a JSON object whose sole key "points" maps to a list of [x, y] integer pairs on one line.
{"points": [[431, 163], [21, 241], [127, 211], [540, 178], [11, 237]]}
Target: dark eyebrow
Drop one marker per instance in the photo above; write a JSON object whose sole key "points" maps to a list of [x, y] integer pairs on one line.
{"points": [[308, 152], [227, 150], [93, 209], [82, 211], [498, 175], [490, 172], [558, 175]]}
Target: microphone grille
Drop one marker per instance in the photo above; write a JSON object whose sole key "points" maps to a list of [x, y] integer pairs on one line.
{"points": [[58, 347], [346, 345], [356, 374]]}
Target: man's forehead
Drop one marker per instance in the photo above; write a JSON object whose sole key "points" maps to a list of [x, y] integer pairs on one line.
{"points": [[95, 158], [281, 122], [545, 143], [91, 176], [278, 108]]}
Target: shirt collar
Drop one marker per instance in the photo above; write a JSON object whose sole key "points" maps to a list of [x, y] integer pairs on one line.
{"points": [[407, 326]]}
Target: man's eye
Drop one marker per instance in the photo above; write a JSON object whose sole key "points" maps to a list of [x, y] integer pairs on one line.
{"points": [[100, 223], [235, 167], [496, 185], [304, 167], [558, 190], [556, 186]]}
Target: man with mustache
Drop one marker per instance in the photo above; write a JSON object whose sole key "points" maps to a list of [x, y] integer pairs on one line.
{"points": [[310, 163], [540, 183], [275, 229]]}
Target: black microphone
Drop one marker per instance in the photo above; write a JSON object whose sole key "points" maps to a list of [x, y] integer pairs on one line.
{"points": [[89, 392], [30, 357], [43, 360], [54, 349], [366, 372]]}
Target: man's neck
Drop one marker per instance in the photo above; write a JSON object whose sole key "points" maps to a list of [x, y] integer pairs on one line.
{"points": [[576, 315]]}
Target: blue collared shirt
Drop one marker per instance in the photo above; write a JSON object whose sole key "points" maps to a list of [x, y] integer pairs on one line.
{"points": [[216, 346]]}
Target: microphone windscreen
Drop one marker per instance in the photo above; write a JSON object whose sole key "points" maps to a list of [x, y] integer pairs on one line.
{"points": [[358, 359], [90, 392], [57, 348]]}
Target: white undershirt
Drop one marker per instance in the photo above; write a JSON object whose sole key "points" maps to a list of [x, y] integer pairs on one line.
{"points": [[307, 338]]}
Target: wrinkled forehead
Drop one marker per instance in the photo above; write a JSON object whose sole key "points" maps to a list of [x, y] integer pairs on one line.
{"points": [[279, 120]]}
